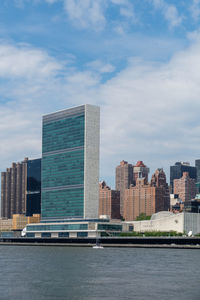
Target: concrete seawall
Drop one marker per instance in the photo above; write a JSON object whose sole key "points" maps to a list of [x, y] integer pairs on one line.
{"points": [[144, 242]]}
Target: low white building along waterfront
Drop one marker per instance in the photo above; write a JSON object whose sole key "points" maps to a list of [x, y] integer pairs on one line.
{"points": [[165, 221], [74, 229]]}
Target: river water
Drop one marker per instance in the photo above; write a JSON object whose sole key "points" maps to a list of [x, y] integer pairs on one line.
{"points": [[37, 273]]}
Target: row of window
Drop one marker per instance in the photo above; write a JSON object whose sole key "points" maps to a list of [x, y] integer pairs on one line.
{"points": [[110, 227], [63, 169], [60, 234], [66, 133], [66, 203], [57, 227]]}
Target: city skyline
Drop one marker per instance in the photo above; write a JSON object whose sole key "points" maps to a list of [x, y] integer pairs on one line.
{"points": [[137, 61]]}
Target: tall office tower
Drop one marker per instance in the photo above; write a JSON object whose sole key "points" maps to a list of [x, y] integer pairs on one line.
{"points": [[15, 197], [70, 164], [185, 187], [33, 187], [109, 201], [3, 194], [147, 198], [197, 165], [177, 170], [140, 171], [123, 180]]}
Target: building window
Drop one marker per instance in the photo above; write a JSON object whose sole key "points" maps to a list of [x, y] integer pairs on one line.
{"points": [[30, 234], [63, 234], [130, 228], [82, 234], [46, 234]]}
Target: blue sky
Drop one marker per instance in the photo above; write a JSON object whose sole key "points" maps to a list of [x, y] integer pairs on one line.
{"points": [[138, 59]]}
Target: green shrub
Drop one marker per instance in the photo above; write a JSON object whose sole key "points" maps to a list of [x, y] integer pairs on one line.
{"points": [[143, 217], [151, 233]]}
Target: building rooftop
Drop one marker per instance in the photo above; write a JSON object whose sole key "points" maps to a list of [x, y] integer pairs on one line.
{"points": [[140, 164], [161, 215]]}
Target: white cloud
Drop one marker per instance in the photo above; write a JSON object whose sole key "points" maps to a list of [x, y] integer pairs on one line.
{"points": [[23, 61], [87, 13], [126, 12], [195, 9], [119, 2], [169, 12], [149, 111], [101, 67]]}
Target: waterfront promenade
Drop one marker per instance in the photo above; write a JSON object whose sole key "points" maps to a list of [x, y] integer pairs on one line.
{"points": [[142, 242]]}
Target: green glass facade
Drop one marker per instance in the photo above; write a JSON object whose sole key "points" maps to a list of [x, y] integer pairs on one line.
{"points": [[57, 227], [110, 227], [63, 165]]}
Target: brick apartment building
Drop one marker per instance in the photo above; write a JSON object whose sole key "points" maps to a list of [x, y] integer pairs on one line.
{"points": [[185, 187], [140, 171], [109, 201], [21, 189], [147, 198], [123, 180]]}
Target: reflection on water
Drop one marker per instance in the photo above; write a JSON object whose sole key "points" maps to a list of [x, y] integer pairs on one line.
{"points": [[111, 273]]}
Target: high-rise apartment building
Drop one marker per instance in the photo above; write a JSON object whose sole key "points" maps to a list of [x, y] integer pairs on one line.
{"points": [[147, 198], [123, 180], [177, 170], [18, 185], [159, 181], [140, 171], [185, 187], [70, 163], [109, 201], [197, 165]]}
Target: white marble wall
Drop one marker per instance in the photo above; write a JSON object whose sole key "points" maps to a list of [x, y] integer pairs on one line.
{"points": [[192, 222], [171, 223], [91, 167]]}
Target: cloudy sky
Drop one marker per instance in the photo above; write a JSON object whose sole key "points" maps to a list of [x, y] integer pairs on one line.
{"points": [[138, 59]]}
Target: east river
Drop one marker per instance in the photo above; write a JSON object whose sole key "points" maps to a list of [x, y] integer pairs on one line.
{"points": [[37, 273]]}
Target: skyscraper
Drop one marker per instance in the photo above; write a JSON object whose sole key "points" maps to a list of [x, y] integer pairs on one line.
{"points": [[177, 170], [70, 163], [19, 193], [33, 187], [197, 165], [123, 179]]}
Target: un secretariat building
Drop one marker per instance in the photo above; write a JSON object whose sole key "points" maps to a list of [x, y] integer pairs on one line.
{"points": [[70, 177], [70, 163]]}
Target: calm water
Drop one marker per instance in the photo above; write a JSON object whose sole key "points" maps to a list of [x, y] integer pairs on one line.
{"points": [[85, 273]]}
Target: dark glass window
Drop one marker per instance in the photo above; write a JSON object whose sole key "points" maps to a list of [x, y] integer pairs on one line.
{"points": [[130, 227], [63, 234], [63, 167], [46, 234], [30, 234], [33, 198], [110, 227], [82, 234], [57, 227]]}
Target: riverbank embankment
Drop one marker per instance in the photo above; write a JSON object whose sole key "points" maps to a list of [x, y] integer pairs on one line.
{"points": [[137, 242]]}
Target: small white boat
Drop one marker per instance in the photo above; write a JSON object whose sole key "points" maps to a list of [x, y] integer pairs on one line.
{"points": [[97, 247]]}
